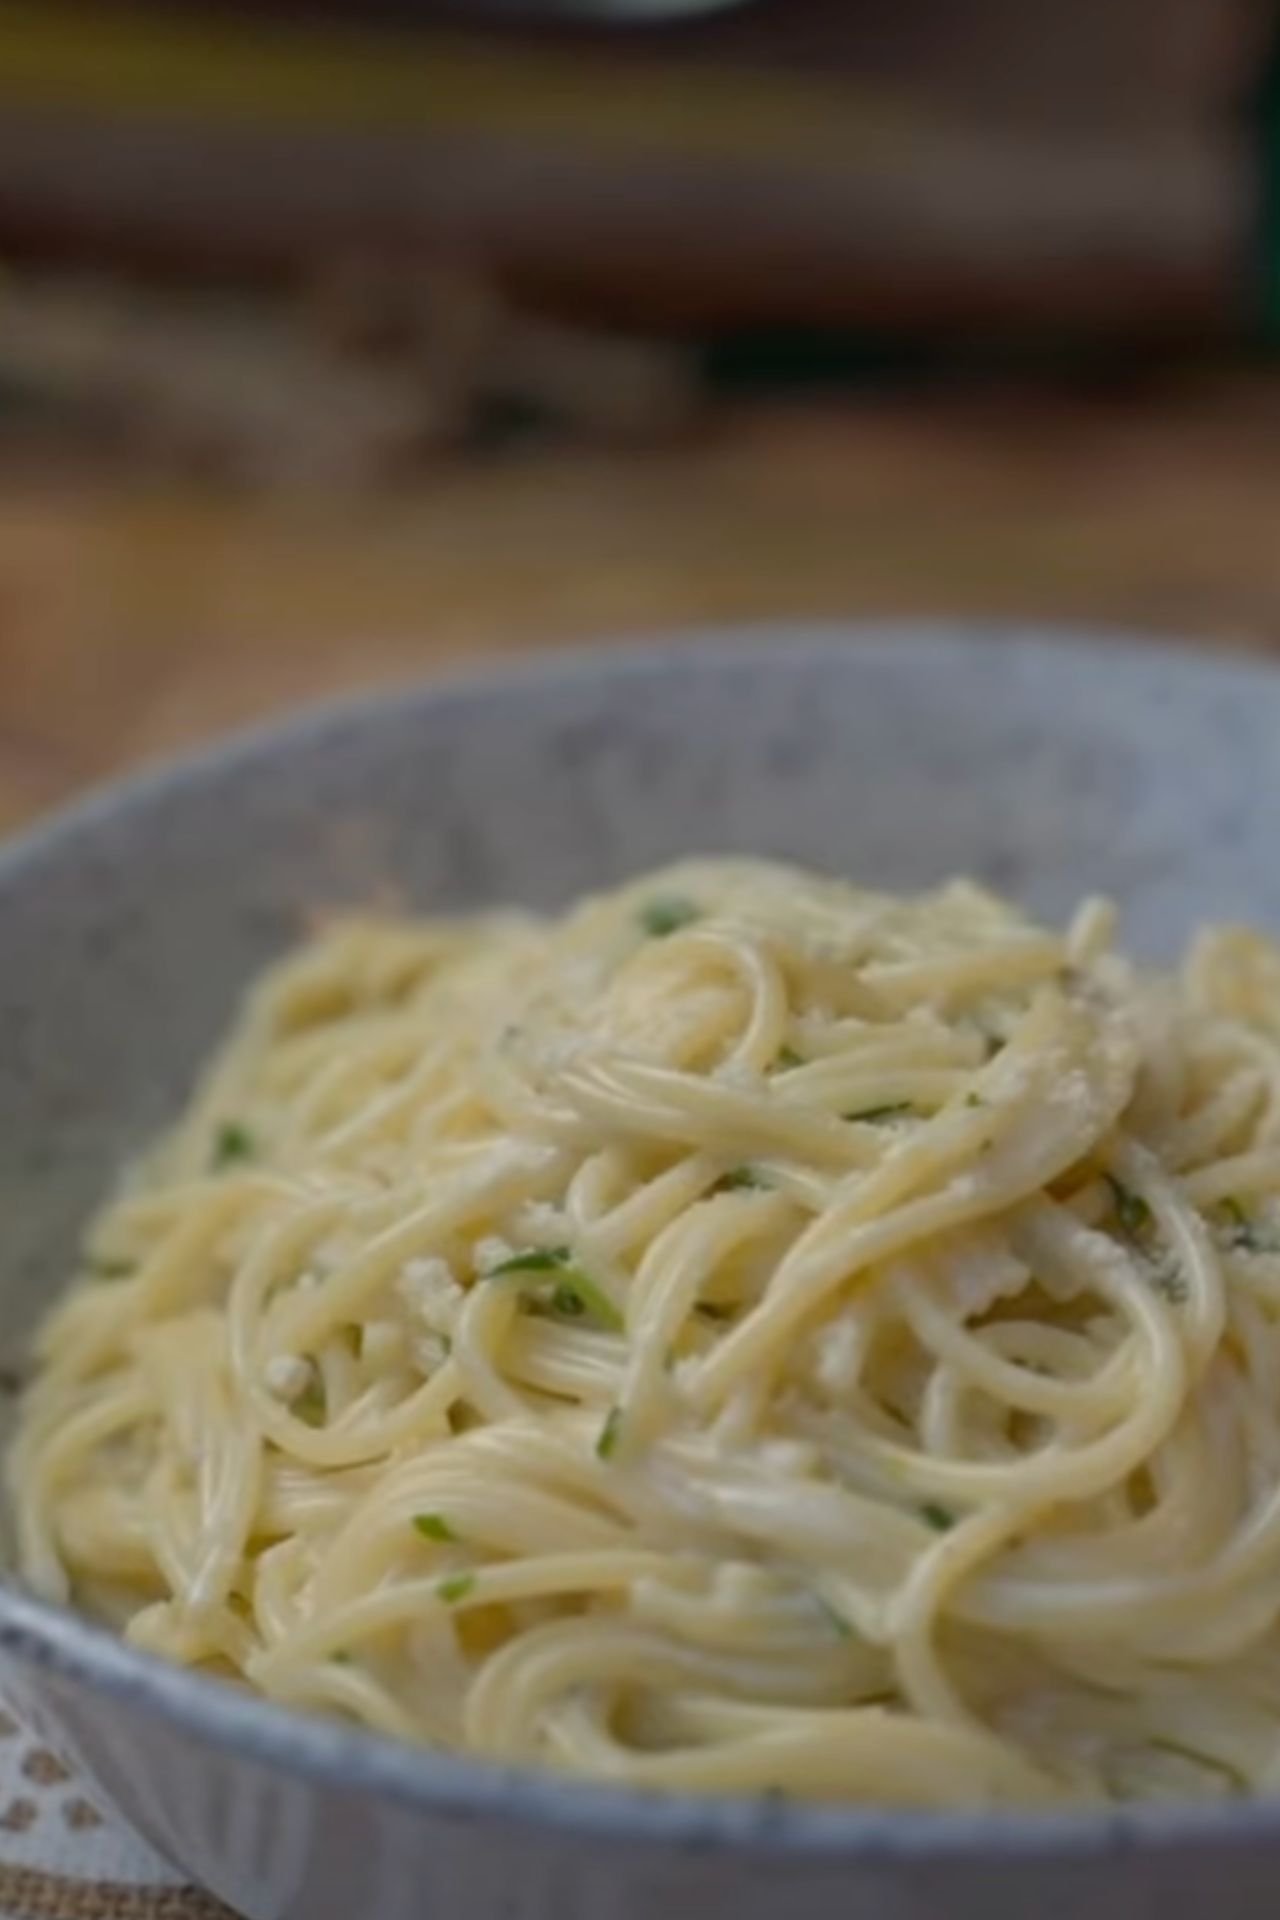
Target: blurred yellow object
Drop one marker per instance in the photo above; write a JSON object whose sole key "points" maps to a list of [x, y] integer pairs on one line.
{"points": [[238, 72], [935, 168]]}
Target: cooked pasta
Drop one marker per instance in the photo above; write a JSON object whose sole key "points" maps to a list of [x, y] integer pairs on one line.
{"points": [[747, 1334]]}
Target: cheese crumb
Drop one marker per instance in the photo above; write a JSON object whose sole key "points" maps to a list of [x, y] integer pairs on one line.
{"points": [[286, 1375], [429, 1290], [491, 1252]]}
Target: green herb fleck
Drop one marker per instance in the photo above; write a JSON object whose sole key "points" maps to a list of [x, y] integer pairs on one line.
{"points": [[111, 1269], [1168, 1279], [587, 1298], [232, 1143], [788, 1058], [974, 1100], [575, 1293], [610, 1433], [433, 1526], [456, 1586], [876, 1116], [941, 1519], [341, 1658], [1247, 1232], [714, 1310], [1132, 1210], [738, 1178], [667, 914], [532, 1260]]}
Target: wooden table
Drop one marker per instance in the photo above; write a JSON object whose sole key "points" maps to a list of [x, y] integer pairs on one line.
{"points": [[138, 615]]}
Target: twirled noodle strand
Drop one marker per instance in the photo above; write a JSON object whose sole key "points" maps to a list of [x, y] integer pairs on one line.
{"points": [[748, 1334]]}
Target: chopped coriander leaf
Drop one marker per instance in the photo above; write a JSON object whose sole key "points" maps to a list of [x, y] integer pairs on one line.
{"points": [[607, 1444], [787, 1058], [1167, 1278], [232, 1142], [876, 1116], [738, 1177], [433, 1526], [341, 1658], [667, 914], [838, 1621], [1248, 1232], [532, 1260], [455, 1586], [111, 1269], [1132, 1210], [586, 1298], [974, 1100], [574, 1294], [941, 1519]]}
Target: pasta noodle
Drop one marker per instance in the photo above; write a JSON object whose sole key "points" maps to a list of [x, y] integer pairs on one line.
{"points": [[747, 1334]]}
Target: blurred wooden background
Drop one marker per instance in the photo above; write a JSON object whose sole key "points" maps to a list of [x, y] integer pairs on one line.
{"points": [[138, 615], [276, 285]]}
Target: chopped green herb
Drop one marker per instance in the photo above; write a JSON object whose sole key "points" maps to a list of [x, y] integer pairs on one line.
{"points": [[232, 1142], [456, 1586], [714, 1310], [838, 1621], [433, 1526], [788, 1058], [111, 1269], [309, 1407], [667, 914], [941, 1519], [341, 1658], [974, 1100], [574, 1293], [876, 1116], [1247, 1232], [588, 1298], [531, 1260], [1132, 1210], [994, 1045], [1168, 1278], [610, 1432], [739, 1177]]}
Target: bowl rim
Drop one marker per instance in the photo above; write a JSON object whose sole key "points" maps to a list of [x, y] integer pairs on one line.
{"points": [[75, 1650]]}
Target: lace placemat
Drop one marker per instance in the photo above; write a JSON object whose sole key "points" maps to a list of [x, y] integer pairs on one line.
{"points": [[63, 1856]]}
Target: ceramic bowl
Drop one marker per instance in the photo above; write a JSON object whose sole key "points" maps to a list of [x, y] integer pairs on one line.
{"points": [[1049, 766]]}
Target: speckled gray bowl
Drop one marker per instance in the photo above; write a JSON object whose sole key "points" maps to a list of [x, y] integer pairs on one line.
{"points": [[1050, 766]]}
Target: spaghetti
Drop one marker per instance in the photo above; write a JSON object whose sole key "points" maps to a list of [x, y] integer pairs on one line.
{"points": [[747, 1334]]}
